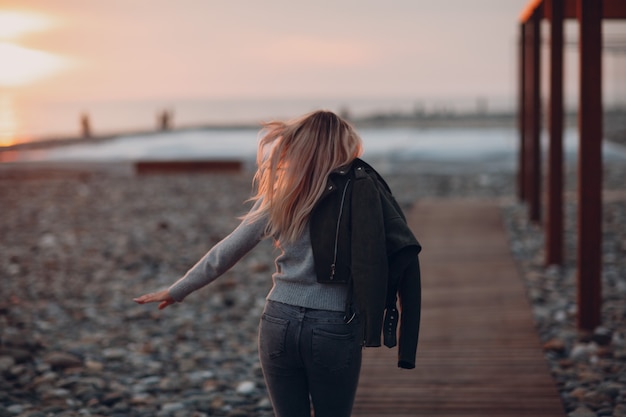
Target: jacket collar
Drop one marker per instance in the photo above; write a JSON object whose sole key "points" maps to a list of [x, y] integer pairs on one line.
{"points": [[338, 176], [345, 169]]}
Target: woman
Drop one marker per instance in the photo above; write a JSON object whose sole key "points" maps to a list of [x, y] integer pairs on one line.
{"points": [[331, 216]]}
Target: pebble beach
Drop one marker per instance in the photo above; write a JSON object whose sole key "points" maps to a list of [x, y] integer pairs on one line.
{"points": [[77, 246]]}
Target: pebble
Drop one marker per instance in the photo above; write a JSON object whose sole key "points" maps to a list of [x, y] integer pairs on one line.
{"points": [[62, 360], [15, 409], [6, 363], [70, 334], [554, 345], [246, 387], [172, 407], [114, 353], [76, 250]]}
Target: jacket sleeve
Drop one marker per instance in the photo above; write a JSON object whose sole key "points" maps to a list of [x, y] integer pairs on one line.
{"points": [[410, 292], [404, 274]]}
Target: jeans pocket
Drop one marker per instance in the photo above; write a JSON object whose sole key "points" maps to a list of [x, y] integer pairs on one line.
{"points": [[334, 349], [272, 336]]}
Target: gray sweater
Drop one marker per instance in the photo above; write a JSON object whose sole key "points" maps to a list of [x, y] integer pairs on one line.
{"points": [[294, 281]]}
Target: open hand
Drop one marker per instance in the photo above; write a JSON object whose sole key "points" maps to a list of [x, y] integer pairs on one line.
{"points": [[162, 297]]}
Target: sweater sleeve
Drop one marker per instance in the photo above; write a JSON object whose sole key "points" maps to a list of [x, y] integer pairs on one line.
{"points": [[220, 258]]}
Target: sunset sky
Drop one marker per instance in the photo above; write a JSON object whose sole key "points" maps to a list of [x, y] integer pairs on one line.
{"points": [[146, 49]]}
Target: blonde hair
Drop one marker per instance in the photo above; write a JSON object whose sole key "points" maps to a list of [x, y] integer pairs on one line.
{"points": [[294, 161]]}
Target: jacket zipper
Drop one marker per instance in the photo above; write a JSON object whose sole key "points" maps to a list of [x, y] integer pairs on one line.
{"points": [[343, 199]]}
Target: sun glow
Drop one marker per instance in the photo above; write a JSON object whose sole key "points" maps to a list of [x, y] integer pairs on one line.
{"points": [[8, 123], [21, 65], [15, 24]]}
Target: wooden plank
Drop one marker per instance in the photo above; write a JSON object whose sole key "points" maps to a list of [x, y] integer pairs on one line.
{"points": [[479, 354]]}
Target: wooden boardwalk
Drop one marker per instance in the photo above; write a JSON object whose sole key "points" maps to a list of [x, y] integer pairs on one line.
{"points": [[479, 354]]}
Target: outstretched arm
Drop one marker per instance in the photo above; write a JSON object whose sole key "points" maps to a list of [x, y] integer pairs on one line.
{"points": [[216, 261]]}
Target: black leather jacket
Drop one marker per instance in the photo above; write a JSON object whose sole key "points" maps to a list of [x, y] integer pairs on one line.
{"points": [[360, 237]]}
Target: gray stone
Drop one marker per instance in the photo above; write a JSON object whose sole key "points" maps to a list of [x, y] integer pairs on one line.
{"points": [[6, 363], [55, 393], [16, 409], [582, 351], [114, 354], [172, 407], [246, 387]]}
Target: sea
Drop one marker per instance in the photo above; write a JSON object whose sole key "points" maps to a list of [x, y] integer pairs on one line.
{"points": [[230, 130]]}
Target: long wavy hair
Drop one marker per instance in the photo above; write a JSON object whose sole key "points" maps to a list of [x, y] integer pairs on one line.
{"points": [[294, 161]]}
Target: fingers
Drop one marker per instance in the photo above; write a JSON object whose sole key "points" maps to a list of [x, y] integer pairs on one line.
{"points": [[165, 304], [147, 298], [162, 297]]}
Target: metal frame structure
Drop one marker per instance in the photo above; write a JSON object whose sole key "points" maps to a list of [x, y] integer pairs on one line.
{"points": [[589, 14]]}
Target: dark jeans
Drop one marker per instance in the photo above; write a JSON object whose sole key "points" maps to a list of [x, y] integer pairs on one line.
{"points": [[309, 355]]}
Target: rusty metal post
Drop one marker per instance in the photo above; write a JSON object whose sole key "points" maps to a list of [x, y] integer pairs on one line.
{"points": [[525, 113], [521, 168], [554, 221], [533, 157], [590, 165]]}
